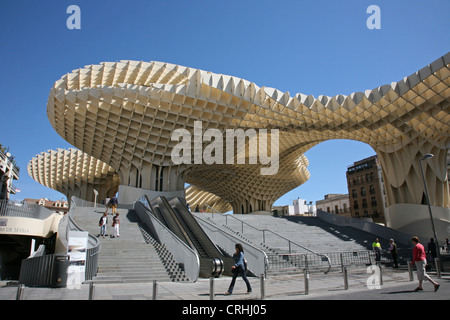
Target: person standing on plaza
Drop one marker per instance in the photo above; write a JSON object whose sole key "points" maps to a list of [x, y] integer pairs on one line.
{"points": [[102, 224], [432, 250], [116, 224], [420, 261], [394, 252], [376, 246], [239, 268]]}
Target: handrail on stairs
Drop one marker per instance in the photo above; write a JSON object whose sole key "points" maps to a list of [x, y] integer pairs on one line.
{"points": [[290, 242]]}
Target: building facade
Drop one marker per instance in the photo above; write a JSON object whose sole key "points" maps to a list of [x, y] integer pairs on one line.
{"points": [[298, 207], [334, 203], [366, 191], [59, 206], [8, 173]]}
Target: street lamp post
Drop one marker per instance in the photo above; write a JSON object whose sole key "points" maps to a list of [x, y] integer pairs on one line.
{"points": [[426, 157]]}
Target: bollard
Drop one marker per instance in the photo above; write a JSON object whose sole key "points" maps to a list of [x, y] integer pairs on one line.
{"points": [[380, 274], [410, 272], [20, 290], [211, 288], [155, 289], [438, 267], [345, 278], [263, 287], [306, 275], [91, 291]]}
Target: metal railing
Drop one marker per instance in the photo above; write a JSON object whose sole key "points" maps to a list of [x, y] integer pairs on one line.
{"points": [[265, 232], [304, 261], [24, 209], [68, 224], [256, 258], [182, 253], [44, 271]]}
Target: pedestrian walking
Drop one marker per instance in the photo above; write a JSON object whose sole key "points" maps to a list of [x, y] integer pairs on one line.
{"points": [[115, 225], [239, 268], [394, 252], [376, 246], [103, 222], [114, 201], [107, 204], [420, 261]]}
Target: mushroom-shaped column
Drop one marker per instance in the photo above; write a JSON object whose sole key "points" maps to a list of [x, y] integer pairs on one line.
{"points": [[74, 173]]}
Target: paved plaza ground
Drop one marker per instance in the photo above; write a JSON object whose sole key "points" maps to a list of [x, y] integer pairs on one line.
{"points": [[362, 285]]}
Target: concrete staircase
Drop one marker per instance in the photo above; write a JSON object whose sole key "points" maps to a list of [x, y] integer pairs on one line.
{"points": [[310, 232], [134, 256]]}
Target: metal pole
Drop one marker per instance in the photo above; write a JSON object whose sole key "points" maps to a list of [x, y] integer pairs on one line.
{"points": [[263, 287], [306, 276], [20, 290], [155, 290], [381, 273], [211, 288], [345, 278], [411, 276], [427, 156], [342, 262], [438, 267], [91, 291]]}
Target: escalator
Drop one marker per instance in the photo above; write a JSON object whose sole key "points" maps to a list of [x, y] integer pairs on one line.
{"points": [[175, 215]]}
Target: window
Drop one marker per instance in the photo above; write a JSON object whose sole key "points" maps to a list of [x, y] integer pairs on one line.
{"points": [[363, 191], [354, 193], [374, 202], [355, 204], [364, 203], [372, 189]]}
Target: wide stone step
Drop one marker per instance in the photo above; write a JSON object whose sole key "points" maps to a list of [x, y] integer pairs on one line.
{"points": [[130, 260], [130, 257], [140, 278], [131, 266]]}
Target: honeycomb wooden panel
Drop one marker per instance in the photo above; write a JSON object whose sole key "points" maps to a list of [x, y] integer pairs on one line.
{"points": [[122, 113], [74, 173]]}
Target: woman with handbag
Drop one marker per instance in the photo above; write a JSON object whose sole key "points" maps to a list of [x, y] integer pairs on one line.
{"points": [[420, 260], [239, 268]]}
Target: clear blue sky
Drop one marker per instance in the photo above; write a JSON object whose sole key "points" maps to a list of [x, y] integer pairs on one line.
{"points": [[309, 47]]}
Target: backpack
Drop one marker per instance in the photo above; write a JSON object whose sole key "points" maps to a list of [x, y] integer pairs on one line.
{"points": [[100, 222]]}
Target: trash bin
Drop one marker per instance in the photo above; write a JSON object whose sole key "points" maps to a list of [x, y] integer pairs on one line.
{"points": [[59, 273]]}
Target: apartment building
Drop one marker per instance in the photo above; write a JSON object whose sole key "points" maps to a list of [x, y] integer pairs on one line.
{"points": [[8, 173], [366, 190], [334, 203]]}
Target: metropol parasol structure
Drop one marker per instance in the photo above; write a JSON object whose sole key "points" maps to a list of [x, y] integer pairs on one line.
{"points": [[124, 114]]}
